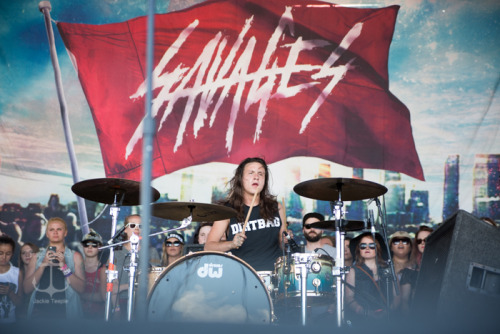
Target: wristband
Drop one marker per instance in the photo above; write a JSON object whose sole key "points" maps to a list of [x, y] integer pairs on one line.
{"points": [[67, 272], [63, 268]]}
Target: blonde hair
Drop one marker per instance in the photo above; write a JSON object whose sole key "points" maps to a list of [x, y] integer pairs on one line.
{"points": [[57, 219]]}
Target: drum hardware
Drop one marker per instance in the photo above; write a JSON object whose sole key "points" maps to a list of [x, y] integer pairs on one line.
{"points": [[117, 192], [197, 211], [337, 190]]}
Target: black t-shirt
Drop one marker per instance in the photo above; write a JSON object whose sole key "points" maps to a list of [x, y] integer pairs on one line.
{"points": [[261, 247]]}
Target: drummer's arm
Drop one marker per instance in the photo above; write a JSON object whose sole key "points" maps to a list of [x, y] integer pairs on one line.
{"points": [[214, 242]]}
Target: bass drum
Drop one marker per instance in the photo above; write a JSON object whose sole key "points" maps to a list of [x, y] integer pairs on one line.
{"points": [[210, 287]]}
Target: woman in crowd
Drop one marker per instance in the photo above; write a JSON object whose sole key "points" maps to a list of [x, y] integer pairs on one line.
{"points": [[201, 234], [56, 277], [401, 248], [172, 249], [366, 295], [27, 252], [419, 244], [92, 299]]}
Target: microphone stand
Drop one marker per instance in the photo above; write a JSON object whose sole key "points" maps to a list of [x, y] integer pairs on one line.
{"points": [[134, 242], [392, 274], [113, 274]]}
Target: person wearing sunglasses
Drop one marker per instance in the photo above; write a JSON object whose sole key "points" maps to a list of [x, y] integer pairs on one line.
{"points": [[172, 248], [366, 283], [119, 298], [95, 276], [401, 249], [419, 244]]}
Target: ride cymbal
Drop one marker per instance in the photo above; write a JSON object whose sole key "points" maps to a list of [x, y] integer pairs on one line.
{"points": [[333, 189], [111, 191], [199, 211]]}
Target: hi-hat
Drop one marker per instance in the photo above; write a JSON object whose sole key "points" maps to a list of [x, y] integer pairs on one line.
{"points": [[199, 211], [111, 191], [345, 225], [329, 189]]}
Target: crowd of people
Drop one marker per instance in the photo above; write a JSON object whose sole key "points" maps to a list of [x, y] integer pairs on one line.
{"points": [[57, 281]]}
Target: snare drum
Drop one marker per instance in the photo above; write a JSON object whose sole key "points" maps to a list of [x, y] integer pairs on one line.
{"points": [[210, 287], [154, 273], [320, 280]]}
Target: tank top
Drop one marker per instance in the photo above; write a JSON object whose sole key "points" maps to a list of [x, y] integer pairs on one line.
{"points": [[261, 247]]}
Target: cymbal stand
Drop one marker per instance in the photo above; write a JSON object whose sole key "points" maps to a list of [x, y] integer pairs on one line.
{"points": [[339, 270], [303, 289], [111, 273]]}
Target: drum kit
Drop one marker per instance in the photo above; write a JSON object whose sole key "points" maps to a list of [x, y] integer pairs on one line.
{"points": [[214, 286]]}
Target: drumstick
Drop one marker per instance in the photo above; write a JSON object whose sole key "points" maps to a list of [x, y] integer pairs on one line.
{"points": [[249, 212], [284, 209]]}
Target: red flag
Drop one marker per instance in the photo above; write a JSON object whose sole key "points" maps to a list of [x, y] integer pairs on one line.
{"points": [[234, 79]]}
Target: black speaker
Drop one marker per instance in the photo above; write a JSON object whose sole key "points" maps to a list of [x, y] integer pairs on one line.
{"points": [[460, 273]]}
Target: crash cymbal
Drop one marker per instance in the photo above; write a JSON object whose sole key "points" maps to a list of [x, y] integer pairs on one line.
{"points": [[346, 225], [111, 190], [328, 189], [199, 211]]}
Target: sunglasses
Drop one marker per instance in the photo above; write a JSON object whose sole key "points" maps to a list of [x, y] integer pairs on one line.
{"points": [[419, 241], [170, 244], [398, 241], [90, 244], [133, 225], [364, 246]]}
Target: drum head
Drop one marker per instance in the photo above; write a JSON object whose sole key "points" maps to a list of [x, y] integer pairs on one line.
{"points": [[210, 287]]}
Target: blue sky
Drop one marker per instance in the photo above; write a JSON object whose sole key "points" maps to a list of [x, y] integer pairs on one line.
{"points": [[444, 65]]}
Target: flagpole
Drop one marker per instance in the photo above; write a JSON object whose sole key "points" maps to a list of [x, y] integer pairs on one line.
{"points": [[45, 7], [147, 150]]}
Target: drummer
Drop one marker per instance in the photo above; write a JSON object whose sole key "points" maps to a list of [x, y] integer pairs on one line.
{"points": [[313, 236], [259, 245]]}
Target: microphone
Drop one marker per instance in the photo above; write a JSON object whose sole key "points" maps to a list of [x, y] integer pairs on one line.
{"points": [[117, 234], [293, 244]]}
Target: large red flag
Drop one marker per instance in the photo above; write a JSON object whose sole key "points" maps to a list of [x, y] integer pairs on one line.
{"points": [[234, 79]]}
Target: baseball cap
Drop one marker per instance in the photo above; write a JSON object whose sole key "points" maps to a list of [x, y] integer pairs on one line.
{"points": [[176, 236], [92, 236]]}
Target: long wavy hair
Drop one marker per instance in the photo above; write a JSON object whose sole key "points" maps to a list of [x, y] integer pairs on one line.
{"points": [[268, 204], [416, 256], [360, 260]]}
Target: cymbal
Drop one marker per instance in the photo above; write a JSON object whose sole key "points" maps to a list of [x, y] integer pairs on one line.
{"points": [[111, 190], [199, 211], [346, 225], [328, 189]]}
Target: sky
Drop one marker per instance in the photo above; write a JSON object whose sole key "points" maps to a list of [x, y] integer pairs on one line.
{"points": [[443, 65]]}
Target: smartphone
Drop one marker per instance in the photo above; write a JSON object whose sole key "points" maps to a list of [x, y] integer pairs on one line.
{"points": [[54, 249]]}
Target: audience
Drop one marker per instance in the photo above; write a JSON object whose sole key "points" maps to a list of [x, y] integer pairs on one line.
{"points": [[92, 299], [27, 252], [11, 278], [58, 277], [172, 248]]}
